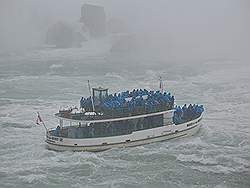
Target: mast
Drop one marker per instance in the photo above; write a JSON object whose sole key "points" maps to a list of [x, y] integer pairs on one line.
{"points": [[91, 97], [161, 85]]}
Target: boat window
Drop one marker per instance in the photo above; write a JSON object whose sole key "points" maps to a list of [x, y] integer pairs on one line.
{"points": [[115, 128]]}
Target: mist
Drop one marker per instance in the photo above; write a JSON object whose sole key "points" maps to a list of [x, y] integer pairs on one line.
{"points": [[176, 29]]}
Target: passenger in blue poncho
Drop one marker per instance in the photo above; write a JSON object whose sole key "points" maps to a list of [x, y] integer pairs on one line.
{"points": [[81, 103], [185, 113]]}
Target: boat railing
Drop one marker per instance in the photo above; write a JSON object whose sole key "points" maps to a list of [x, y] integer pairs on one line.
{"points": [[105, 130], [112, 113], [55, 134]]}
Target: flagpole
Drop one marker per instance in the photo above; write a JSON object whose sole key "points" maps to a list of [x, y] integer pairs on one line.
{"points": [[91, 97], [45, 126]]}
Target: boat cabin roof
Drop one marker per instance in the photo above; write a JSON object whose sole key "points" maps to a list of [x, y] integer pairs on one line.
{"points": [[100, 89], [102, 106], [82, 118]]}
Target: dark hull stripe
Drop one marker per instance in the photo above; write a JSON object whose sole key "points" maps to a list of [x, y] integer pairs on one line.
{"points": [[183, 135]]}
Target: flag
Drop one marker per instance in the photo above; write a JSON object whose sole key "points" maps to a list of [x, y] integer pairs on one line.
{"points": [[39, 119]]}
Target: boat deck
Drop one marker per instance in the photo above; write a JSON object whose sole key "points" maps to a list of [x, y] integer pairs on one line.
{"points": [[112, 114]]}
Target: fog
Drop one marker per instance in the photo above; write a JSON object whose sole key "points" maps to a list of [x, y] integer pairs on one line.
{"points": [[52, 53], [175, 28]]}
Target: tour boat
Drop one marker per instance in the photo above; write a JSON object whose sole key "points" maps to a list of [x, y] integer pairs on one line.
{"points": [[131, 118]]}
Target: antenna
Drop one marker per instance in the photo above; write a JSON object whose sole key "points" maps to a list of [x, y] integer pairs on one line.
{"points": [[161, 85], [91, 97]]}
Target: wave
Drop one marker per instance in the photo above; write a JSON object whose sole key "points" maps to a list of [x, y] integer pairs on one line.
{"points": [[18, 78], [34, 178], [217, 169], [55, 66], [196, 159], [15, 125], [114, 75]]}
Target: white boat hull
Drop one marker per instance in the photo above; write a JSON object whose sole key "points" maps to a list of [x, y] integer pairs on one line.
{"points": [[137, 138]]}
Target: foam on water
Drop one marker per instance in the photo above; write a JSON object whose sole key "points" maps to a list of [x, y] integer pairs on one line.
{"points": [[55, 66]]}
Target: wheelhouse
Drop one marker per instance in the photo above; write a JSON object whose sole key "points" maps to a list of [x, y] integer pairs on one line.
{"points": [[99, 95]]}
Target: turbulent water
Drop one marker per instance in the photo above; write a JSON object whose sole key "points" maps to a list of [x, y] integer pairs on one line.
{"points": [[44, 80]]}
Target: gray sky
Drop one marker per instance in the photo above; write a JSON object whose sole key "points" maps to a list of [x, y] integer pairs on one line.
{"points": [[204, 28]]}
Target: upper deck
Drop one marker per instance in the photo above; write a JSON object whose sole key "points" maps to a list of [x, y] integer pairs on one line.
{"points": [[81, 117], [104, 107]]}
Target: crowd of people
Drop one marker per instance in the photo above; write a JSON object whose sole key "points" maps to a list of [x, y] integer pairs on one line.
{"points": [[86, 104], [187, 113], [131, 101]]}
